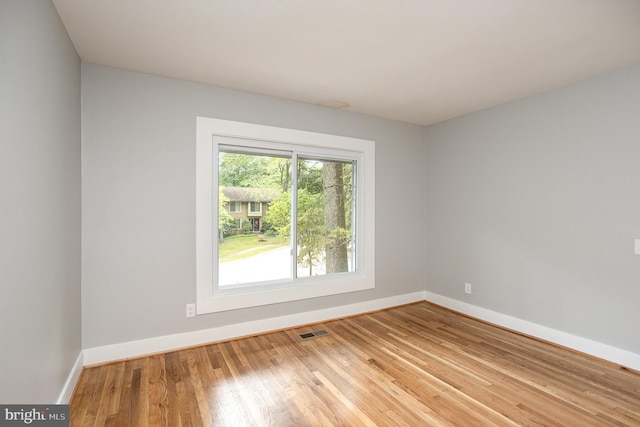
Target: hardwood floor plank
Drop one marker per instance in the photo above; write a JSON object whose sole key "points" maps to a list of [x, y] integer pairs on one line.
{"points": [[124, 408], [107, 391], [136, 419], [115, 391], [353, 409], [413, 365], [172, 366], [158, 394], [83, 394], [272, 384], [93, 404]]}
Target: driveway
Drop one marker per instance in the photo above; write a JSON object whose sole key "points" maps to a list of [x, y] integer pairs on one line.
{"points": [[270, 265]]}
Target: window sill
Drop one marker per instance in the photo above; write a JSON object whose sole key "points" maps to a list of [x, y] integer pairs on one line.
{"points": [[228, 300]]}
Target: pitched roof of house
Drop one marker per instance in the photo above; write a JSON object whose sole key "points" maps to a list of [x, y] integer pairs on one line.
{"points": [[248, 194]]}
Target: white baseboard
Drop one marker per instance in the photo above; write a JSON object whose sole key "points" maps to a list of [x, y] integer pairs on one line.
{"points": [[72, 380], [109, 353], [603, 351]]}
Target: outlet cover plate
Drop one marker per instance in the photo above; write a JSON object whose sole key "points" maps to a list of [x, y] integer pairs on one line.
{"points": [[191, 310]]}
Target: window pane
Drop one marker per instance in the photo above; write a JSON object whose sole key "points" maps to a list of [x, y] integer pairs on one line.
{"points": [[235, 207], [253, 247], [325, 217], [255, 207]]}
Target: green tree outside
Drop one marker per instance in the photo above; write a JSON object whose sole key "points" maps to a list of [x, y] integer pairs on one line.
{"points": [[324, 203]]}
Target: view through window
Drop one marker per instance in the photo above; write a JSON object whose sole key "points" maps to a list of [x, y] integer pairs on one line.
{"points": [[297, 216], [281, 215]]}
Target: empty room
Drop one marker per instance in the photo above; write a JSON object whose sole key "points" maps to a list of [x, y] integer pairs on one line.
{"points": [[296, 213]]}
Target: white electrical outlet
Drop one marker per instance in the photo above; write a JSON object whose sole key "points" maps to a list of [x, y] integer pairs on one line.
{"points": [[191, 310], [637, 247], [467, 288]]}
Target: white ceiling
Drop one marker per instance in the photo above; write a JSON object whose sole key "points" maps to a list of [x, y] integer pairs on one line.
{"points": [[418, 61]]}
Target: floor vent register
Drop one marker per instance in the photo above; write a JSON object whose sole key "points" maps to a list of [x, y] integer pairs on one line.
{"points": [[314, 334]]}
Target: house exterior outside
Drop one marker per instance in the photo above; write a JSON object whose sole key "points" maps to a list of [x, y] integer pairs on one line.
{"points": [[249, 205]]}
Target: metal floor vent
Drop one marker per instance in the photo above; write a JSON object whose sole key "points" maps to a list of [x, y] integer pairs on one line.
{"points": [[314, 334]]}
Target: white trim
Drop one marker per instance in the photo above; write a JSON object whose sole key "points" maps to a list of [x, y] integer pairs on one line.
{"points": [[235, 204], [72, 380], [603, 351], [254, 212], [120, 351], [210, 133], [109, 353]]}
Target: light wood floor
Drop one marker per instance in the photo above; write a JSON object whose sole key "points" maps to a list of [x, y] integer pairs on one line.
{"points": [[414, 365]]}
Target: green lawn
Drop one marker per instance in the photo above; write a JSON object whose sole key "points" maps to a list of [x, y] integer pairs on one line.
{"points": [[247, 245]]}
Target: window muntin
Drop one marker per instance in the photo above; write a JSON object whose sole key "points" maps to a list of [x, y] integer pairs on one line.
{"points": [[214, 133]]}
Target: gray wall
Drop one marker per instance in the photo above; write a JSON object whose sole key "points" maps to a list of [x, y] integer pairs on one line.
{"points": [[536, 203], [39, 203], [138, 200]]}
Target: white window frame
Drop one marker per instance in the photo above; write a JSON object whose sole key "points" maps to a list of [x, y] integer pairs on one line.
{"points": [[239, 204], [212, 132], [259, 211]]}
